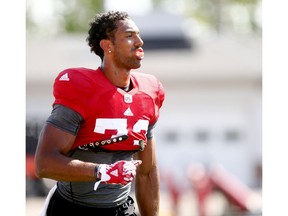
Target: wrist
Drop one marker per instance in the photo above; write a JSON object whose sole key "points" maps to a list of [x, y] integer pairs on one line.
{"points": [[97, 174]]}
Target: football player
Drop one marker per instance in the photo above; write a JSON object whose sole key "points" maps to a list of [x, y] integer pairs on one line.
{"points": [[99, 136]]}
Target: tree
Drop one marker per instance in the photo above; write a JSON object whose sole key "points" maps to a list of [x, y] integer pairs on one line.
{"points": [[225, 14], [218, 15], [66, 16], [77, 14], [233, 15]]}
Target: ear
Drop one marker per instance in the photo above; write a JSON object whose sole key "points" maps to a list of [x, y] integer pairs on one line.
{"points": [[105, 44]]}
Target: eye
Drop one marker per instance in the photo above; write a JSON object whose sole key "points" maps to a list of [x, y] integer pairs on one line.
{"points": [[129, 35]]}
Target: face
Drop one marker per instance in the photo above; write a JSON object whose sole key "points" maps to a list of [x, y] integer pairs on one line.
{"points": [[127, 43]]}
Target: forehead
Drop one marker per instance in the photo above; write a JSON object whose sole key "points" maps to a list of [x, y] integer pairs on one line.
{"points": [[126, 25]]}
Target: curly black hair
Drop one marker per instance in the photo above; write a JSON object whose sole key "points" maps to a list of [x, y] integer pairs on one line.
{"points": [[102, 27]]}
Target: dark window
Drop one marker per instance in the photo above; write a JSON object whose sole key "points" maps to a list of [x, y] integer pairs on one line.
{"points": [[232, 135], [202, 136], [171, 136]]}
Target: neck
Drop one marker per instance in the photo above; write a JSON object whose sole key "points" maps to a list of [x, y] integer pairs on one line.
{"points": [[118, 77]]}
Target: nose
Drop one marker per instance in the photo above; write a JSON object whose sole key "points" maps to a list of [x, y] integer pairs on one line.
{"points": [[139, 42]]}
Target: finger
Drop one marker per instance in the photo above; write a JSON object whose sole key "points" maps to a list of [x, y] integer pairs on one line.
{"points": [[136, 162], [125, 182], [129, 166], [131, 172], [128, 179]]}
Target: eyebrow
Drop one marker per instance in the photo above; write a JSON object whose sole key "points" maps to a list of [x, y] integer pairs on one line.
{"points": [[132, 31]]}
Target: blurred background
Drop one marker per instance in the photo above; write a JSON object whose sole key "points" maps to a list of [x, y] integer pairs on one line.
{"points": [[208, 55]]}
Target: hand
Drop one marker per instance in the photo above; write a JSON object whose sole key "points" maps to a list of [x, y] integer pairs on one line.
{"points": [[121, 172]]}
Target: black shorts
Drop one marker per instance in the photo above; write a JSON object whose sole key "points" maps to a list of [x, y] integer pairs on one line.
{"points": [[59, 206]]}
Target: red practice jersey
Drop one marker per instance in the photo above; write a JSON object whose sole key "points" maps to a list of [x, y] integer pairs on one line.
{"points": [[109, 111]]}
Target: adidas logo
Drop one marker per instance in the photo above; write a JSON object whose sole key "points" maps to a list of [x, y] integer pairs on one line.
{"points": [[64, 77], [128, 112], [114, 173]]}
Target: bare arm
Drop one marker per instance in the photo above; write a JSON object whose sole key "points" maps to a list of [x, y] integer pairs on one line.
{"points": [[148, 181], [51, 160]]}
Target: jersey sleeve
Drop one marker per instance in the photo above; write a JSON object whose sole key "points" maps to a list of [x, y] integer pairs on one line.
{"points": [[161, 95], [73, 90], [159, 99], [153, 87]]}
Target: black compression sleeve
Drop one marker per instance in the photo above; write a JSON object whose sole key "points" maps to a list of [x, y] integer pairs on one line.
{"points": [[65, 118], [150, 131]]}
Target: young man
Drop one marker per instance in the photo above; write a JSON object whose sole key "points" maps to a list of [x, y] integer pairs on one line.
{"points": [[99, 136]]}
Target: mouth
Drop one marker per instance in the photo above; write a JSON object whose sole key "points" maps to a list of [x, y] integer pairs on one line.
{"points": [[140, 54]]}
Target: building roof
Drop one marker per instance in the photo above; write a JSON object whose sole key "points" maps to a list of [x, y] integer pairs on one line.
{"points": [[209, 59]]}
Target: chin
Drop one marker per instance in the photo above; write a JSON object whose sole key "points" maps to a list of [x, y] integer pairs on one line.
{"points": [[136, 66]]}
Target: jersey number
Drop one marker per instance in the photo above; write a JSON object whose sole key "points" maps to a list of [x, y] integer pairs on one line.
{"points": [[119, 124]]}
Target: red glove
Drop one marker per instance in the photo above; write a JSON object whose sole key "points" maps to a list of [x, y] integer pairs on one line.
{"points": [[121, 172]]}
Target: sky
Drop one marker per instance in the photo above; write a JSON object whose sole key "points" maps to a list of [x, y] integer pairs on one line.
{"points": [[43, 9], [133, 7]]}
